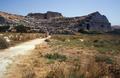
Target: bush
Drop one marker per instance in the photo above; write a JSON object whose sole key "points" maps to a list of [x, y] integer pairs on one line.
{"points": [[115, 32], [21, 28], [100, 43], [89, 32], [4, 28], [107, 46], [103, 58], [47, 40], [58, 37], [3, 43], [56, 56]]}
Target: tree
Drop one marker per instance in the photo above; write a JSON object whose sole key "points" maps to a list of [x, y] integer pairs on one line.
{"points": [[21, 28]]}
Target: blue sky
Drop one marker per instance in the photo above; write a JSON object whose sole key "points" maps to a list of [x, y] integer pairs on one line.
{"points": [[110, 8]]}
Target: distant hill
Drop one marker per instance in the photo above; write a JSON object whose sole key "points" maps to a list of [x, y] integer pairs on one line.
{"points": [[56, 23], [9, 18], [116, 27]]}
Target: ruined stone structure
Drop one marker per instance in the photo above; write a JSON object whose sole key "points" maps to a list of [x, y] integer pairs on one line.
{"points": [[54, 22], [47, 15], [98, 22]]}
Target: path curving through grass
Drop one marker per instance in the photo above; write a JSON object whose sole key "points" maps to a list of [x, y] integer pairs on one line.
{"points": [[8, 55]]}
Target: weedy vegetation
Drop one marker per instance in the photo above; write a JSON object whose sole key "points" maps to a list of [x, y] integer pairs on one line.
{"points": [[16, 38], [3, 43], [74, 56]]}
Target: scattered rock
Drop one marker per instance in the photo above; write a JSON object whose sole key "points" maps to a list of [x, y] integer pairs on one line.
{"points": [[55, 23]]}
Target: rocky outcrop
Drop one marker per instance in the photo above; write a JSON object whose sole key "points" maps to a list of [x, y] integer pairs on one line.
{"points": [[95, 22], [2, 20], [116, 27], [47, 15], [98, 22], [7, 18], [54, 22]]}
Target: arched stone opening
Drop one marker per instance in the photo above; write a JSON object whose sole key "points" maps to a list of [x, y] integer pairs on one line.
{"points": [[88, 27], [102, 26]]}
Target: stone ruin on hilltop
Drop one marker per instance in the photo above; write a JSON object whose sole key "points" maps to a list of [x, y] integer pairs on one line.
{"points": [[56, 23]]}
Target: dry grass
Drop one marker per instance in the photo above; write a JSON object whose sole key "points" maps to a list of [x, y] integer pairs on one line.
{"points": [[83, 60], [16, 38], [3, 43]]}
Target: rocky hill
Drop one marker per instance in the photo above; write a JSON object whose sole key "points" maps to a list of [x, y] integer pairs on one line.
{"points": [[116, 27], [56, 23], [9, 18], [47, 15]]}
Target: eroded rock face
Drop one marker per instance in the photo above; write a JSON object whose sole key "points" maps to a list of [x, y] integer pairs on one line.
{"points": [[50, 14], [2, 20], [9, 19], [47, 15], [54, 22], [96, 22]]}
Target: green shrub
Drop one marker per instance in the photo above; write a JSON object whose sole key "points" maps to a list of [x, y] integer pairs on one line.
{"points": [[103, 58], [56, 56], [4, 28], [101, 43], [47, 40], [89, 32], [115, 32], [104, 46], [3, 43], [21, 28], [61, 38]]}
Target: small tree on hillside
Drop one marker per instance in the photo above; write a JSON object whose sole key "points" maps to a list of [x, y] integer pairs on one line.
{"points": [[4, 28], [21, 28]]}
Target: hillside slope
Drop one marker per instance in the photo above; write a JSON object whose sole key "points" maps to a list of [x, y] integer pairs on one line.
{"points": [[55, 22]]}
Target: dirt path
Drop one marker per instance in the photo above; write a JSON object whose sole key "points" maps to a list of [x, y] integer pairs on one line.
{"points": [[7, 56]]}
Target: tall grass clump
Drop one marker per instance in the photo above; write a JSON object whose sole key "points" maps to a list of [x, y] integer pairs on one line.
{"points": [[56, 56], [103, 58], [3, 43]]}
